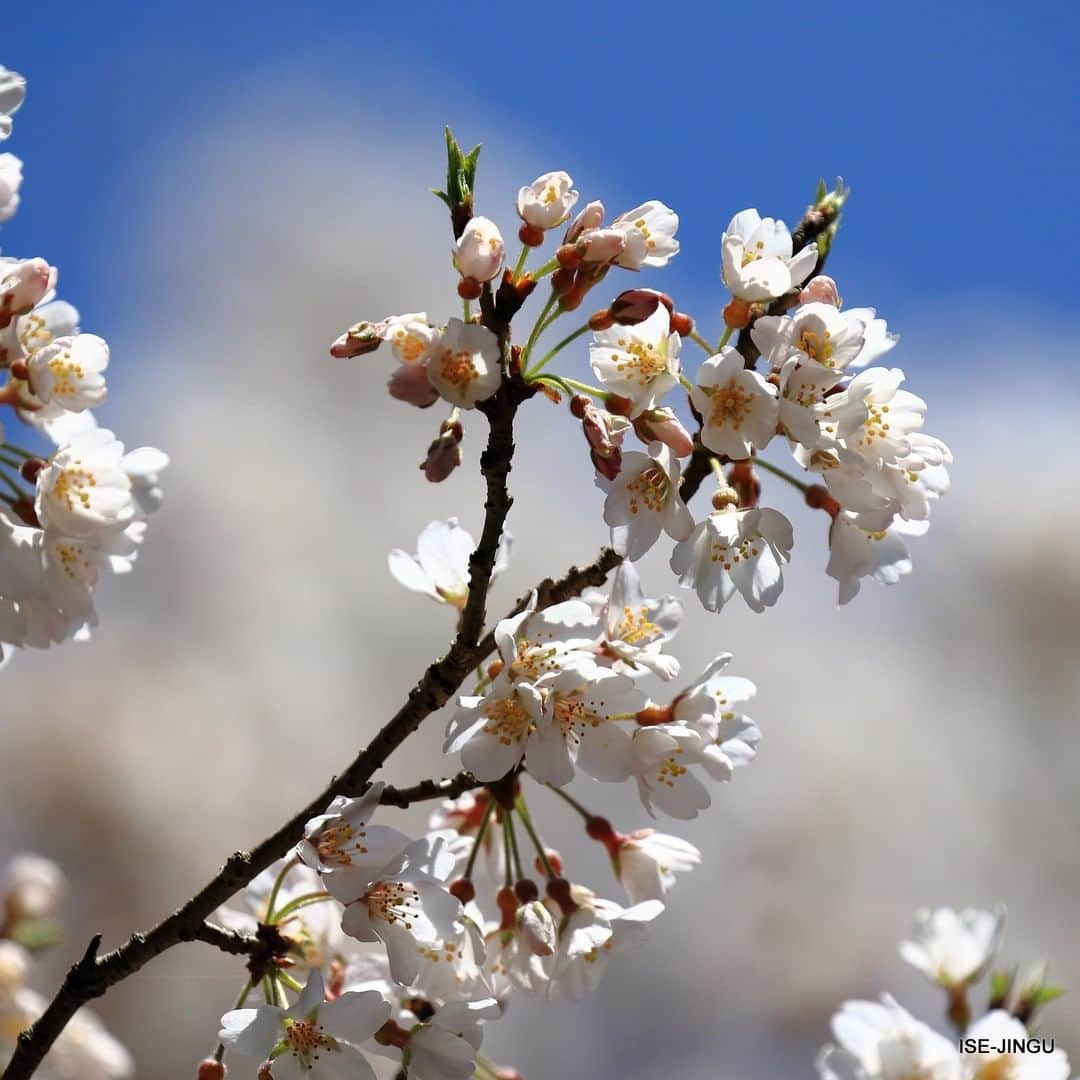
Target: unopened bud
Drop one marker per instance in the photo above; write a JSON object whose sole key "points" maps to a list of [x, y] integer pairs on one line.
{"points": [[411, 385], [479, 251], [662, 425], [22, 286], [601, 320], [32, 887], [601, 245], [562, 281], [821, 289], [211, 1070], [590, 217], [635, 306], [443, 456], [568, 257], [737, 314], [357, 340], [463, 889], [681, 324]]}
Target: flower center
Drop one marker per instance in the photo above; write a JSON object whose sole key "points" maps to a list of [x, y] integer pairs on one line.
{"points": [[395, 902], [650, 489], [817, 345], [506, 719], [457, 367], [639, 361], [332, 842], [306, 1041], [634, 626], [731, 404]]}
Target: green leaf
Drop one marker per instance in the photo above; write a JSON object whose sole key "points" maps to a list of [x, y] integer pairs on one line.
{"points": [[36, 934], [820, 192]]}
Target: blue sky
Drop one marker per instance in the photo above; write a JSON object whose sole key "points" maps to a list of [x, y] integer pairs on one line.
{"points": [[955, 124]]}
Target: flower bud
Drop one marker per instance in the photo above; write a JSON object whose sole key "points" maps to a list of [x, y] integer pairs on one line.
{"points": [[589, 217], [664, 426], [681, 323], [479, 251], [32, 888], [23, 285], [444, 454], [554, 861], [601, 245], [562, 281], [211, 1070], [357, 340], [537, 928], [409, 383], [546, 202], [635, 305], [821, 289], [737, 314]]}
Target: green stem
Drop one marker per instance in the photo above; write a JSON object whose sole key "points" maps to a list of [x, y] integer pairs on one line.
{"points": [[12, 463], [290, 982], [687, 385], [301, 902], [480, 834], [543, 361], [698, 339], [466, 310], [585, 388], [283, 873], [511, 832], [543, 271], [537, 329], [18, 450], [768, 466], [725, 337], [570, 800], [15, 489], [507, 851], [526, 820], [520, 264]]}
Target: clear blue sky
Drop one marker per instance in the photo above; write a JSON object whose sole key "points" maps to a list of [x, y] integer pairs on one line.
{"points": [[955, 123]]}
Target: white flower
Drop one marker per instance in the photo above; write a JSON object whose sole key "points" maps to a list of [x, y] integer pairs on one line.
{"points": [[735, 551], [757, 258], [1004, 1032], [346, 848], [84, 490], [479, 250], [639, 363], [444, 1048], [802, 390], [589, 936], [32, 887], [407, 907], [647, 861], [877, 338], [464, 365], [69, 372], [954, 948], [39, 327], [649, 230], [874, 417], [739, 409], [644, 500], [410, 336], [546, 202], [440, 567], [23, 284], [635, 628], [885, 1042], [534, 646], [10, 181], [12, 94], [867, 545], [313, 1037], [813, 332]]}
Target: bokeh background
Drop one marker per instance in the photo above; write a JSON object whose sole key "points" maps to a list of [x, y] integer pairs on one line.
{"points": [[226, 187]]}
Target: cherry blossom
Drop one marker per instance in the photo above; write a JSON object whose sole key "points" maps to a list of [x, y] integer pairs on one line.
{"points": [[546, 202], [649, 231], [954, 948], [464, 364], [640, 362], [758, 260], [479, 251]]}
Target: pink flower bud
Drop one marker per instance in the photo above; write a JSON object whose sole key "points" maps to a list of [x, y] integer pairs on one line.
{"points": [[411, 385], [479, 251], [663, 425], [589, 218], [608, 467], [603, 431], [820, 289], [23, 285], [362, 338], [444, 454], [601, 245], [635, 306]]}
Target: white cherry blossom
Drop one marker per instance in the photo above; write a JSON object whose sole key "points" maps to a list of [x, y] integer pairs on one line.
{"points": [[445, 1047], [954, 948], [735, 551], [10, 181], [464, 365], [647, 861], [440, 567], [411, 337], [1004, 1032], [12, 95], [874, 417], [885, 1042], [311, 1038], [739, 409], [639, 363], [68, 372], [814, 332], [869, 545], [649, 230], [644, 500], [23, 284], [546, 202], [758, 263]]}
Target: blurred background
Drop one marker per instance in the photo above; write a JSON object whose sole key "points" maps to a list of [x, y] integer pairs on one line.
{"points": [[227, 187]]}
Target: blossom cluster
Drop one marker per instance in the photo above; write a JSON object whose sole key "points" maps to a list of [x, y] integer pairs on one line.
{"points": [[82, 510], [32, 890], [881, 1040]]}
